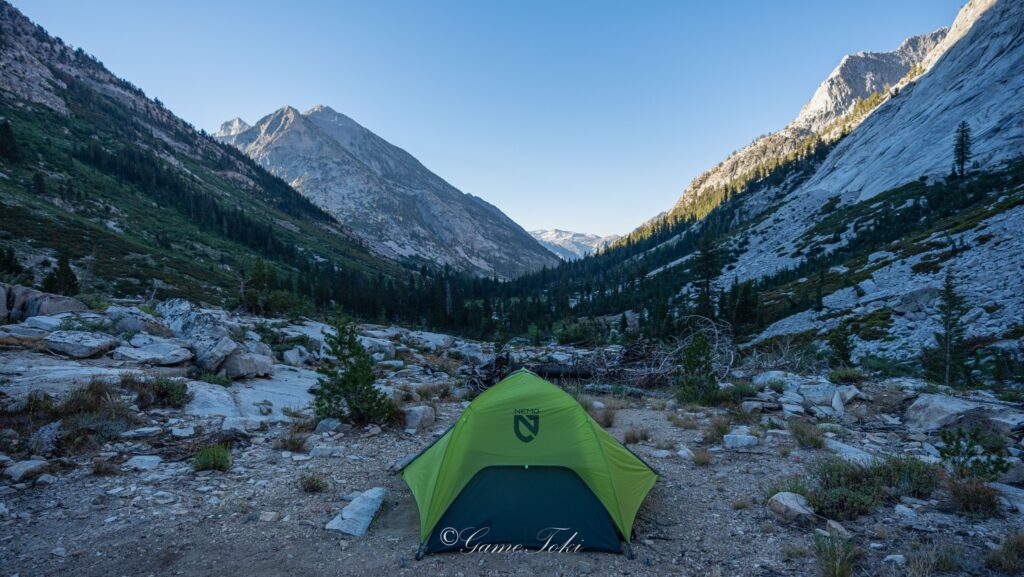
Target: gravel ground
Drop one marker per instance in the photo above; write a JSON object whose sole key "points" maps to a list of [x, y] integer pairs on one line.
{"points": [[698, 520]]}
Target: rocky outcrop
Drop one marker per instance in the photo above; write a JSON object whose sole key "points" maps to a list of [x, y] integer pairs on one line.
{"points": [[79, 344], [568, 245], [19, 303]]}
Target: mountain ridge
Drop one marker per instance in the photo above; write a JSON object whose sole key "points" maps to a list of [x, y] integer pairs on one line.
{"points": [[398, 206]]}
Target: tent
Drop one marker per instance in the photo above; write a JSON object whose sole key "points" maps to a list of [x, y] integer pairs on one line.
{"points": [[526, 466]]}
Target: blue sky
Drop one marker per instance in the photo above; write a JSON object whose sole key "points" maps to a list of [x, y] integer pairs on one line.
{"points": [[589, 116]]}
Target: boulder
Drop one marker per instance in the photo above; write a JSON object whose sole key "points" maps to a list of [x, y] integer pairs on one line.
{"points": [[378, 346], [210, 400], [296, 357], [789, 381], [160, 354], [736, 441], [356, 517], [419, 417], [430, 341], [44, 440], [187, 321], [24, 470], [247, 365], [788, 506], [27, 302], [21, 336], [210, 354], [143, 462], [328, 425], [135, 320], [46, 322], [916, 300], [817, 394], [850, 453], [258, 348], [79, 344], [932, 412], [472, 353]]}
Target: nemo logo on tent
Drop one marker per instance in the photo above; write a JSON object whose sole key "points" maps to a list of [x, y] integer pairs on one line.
{"points": [[526, 424]]}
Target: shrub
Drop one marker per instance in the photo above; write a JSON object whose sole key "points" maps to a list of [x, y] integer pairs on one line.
{"points": [[93, 415], [697, 382], [212, 458], [1009, 557], [604, 417], [103, 467], [683, 422], [845, 490], [294, 441], [635, 435], [312, 483], [701, 457], [158, 392], [840, 346], [907, 476], [835, 556], [717, 428], [847, 376], [972, 455], [215, 379], [346, 385], [786, 485], [807, 435], [973, 496]]}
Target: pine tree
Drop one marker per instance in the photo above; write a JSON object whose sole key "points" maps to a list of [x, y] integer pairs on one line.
{"points": [[707, 268], [818, 289], [697, 382], [346, 380], [61, 280], [9, 147], [946, 362], [39, 183], [962, 147], [840, 346]]}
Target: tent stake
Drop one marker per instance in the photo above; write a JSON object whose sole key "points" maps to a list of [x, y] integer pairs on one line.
{"points": [[629, 551]]}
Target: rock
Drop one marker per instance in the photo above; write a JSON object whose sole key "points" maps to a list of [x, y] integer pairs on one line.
{"points": [[28, 302], [21, 336], [135, 320], [24, 470], [296, 357], [931, 412], [324, 451], [685, 453], [327, 426], [356, 517], [1012, 494], [897, 559], [430, 341], [186, 431], [818, 394], [45, 480], [394, 364], [44, 440], [258, 348], [736, 440], [247, 365], [143, 462], [850, 454], [752, 406], [848, 393], [419, 417], [210, 354], [401, 462], [46, 323], [141, 433], [210, 400], [837, 530], [160, 354], [79, 344], [269, 516], [904, 511], [661, 454], [472, 353], [790, 506], [164, 498], [378, 346], [789, 381]]}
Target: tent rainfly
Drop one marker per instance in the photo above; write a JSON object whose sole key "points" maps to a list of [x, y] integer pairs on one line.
{"points": [[525, 466]]}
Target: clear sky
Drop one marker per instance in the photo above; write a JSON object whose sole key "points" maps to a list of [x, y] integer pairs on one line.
{"points": [[590, 116]]}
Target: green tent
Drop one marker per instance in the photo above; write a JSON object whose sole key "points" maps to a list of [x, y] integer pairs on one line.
{"points": [[526, 465]]}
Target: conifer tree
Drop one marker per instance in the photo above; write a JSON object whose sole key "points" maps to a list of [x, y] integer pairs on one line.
{"points": [[346, 380], [39, 183], [840, 346], [697, 382], [946, 362], [707, 268], [9, 148], [61, 280], [962, 147]]}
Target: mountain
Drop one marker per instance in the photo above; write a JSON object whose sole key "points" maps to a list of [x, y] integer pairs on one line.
{"points": [[850, 213], [142, 204], [399, 207], [569, 245]]}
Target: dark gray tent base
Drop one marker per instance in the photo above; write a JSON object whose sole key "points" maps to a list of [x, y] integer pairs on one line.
{"points": [[534, 508]]}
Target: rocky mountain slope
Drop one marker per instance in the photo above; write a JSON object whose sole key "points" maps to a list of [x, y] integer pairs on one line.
{"points": [[402, 209], [568, 245], [138, 200]]}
